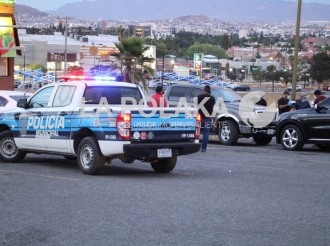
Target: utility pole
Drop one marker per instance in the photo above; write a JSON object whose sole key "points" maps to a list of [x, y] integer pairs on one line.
{"points": [[295, 61], [65, 42]]}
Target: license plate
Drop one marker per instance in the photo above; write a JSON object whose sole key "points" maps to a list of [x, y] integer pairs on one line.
{"points": [[270, 131], [164, 153]]}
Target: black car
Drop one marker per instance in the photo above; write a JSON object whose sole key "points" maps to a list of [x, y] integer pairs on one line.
{"points": [[311, 126], [233, 124], [242, 88]]}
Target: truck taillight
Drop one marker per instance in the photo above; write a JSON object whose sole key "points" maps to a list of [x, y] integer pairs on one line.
{"points": [[124, 126], [198, 126]]}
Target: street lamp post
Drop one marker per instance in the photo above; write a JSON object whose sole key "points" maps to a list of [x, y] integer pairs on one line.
{"points": [[274, 71]]}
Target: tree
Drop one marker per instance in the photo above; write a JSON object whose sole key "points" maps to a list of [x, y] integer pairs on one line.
{"points": [[35, 66], [207, 49], [132, 58], [225, 42], [122, 33], [320, 67]]}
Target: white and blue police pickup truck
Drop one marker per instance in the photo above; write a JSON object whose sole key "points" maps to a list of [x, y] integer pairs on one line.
{"points": [[86, 121]]}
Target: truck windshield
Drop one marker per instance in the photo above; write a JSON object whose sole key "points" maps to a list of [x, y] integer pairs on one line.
{"points": [[113, 94]]}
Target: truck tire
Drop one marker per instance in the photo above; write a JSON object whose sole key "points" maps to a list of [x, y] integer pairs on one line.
{"points": [[262, 140], [291, 138], [8, 149], [90, 159], [165, 165], [228, 132]]}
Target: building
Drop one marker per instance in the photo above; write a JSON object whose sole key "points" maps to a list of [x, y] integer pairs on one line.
{"points": [[139, 31], [10, 49], [49, 50], [101, 24]]}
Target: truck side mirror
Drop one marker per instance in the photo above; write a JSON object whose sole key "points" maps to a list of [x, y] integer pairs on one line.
{"points": [[22, 103]]}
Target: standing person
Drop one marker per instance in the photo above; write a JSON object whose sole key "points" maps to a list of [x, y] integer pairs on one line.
{"points": [[319, 96], [206, 119], [302, 103], [158, 98], [284, 104]]}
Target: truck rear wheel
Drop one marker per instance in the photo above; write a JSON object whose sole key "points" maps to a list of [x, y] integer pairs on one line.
{"points": [[165, 165], [8, 150], [90, 159], [228, 132], [262, 140]]}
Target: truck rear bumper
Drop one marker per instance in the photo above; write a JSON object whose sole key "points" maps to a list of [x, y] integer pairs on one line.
{"points": [[150, 149]]}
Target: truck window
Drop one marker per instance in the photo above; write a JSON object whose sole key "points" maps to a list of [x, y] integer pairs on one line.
{"points": [[177, 92], [194, 93], [41, 98], [113, 94], [64, 95]]}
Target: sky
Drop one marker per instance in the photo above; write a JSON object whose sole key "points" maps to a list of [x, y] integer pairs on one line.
{"points": [[53, 5]]}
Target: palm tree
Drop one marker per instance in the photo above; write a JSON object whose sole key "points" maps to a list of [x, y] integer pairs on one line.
{"points": [[122, 33], [132, 57]]}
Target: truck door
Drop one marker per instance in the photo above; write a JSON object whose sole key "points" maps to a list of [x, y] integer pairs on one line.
{"points": [[33, 120], [59, 114]]}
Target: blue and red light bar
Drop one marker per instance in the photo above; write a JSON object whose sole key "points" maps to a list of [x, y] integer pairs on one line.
{"points": [[82, 77]]}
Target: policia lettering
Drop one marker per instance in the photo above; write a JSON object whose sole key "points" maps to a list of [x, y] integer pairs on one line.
{"points": [[45, 126]]}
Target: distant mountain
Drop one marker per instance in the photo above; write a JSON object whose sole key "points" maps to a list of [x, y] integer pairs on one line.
{"points": [[233, 10], [23, 9]]}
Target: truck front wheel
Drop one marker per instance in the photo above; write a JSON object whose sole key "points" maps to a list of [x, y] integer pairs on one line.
{"points": [[165, 165], [8, 150], [90, 159]]}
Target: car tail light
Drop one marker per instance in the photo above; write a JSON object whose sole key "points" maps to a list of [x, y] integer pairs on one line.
{"points": [[124, 126], [198, 126]]}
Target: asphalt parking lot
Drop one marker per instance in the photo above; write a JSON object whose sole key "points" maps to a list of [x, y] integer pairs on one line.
{"points": [[241, 195]]}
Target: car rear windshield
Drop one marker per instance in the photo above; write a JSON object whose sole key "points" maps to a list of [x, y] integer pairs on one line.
{"points": [[113, 94], [16, 98]]}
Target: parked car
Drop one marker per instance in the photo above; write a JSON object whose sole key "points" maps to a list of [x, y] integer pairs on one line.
{"points": [[233, 124], [231, 85], [298, 88], [322, 91], [242, 88], [8, 99], [326, 88], [295, 129]]}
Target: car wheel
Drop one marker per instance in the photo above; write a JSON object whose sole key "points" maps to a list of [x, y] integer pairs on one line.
{"points": [[90, 159], [324, 147], [299, 90], [262, 140], [165, 165], [70, 158], [292, 138], [228, 132], [8, 149]]}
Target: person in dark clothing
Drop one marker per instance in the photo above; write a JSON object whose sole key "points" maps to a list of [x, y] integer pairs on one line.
{"points": [[302, 103], [284, 104], [319, 96], [206, 119]]}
